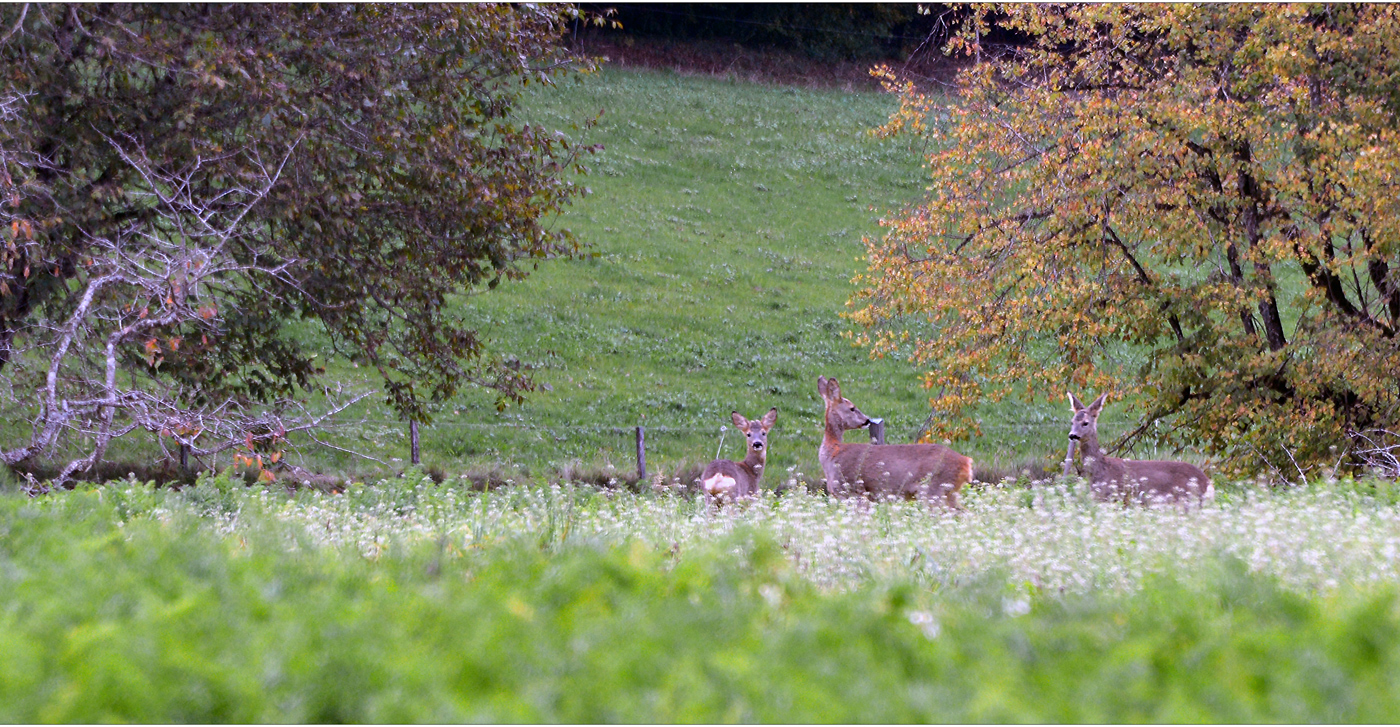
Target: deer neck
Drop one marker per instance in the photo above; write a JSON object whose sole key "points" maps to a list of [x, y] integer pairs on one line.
{"points": [[831, 440], [1091, 451], [755, 461]]}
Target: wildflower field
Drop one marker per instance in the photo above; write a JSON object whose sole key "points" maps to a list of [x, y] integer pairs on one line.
{"points": [[405, 600], [725, 227]]}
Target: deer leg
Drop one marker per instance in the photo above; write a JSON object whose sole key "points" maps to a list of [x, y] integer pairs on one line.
{"points": [[950, 496], [838, 488], [862, 503]]}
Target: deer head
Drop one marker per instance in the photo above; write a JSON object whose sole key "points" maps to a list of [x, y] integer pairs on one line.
{"points": [[756, 430], [1085, 422], [841, 414]]}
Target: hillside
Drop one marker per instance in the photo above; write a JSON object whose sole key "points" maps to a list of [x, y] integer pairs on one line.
{"points": [[724, 227]]}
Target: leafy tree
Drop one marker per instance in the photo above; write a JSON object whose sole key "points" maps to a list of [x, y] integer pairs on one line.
{"points": [[1189, 205], [820, 30], [362, 165]]}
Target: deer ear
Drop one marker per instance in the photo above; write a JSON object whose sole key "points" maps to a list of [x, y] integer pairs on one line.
{"points": [[770, 418], [1074, 403], [739, 420], [1097, 406], [833, 389], [821, 386]]}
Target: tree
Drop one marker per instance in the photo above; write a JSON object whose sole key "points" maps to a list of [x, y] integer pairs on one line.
{"points": [[357, 166], [829, 31], [1191, 206], [179, 272]]}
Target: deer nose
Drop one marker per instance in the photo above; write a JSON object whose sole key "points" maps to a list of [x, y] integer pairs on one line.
{"points": [[758, 445], [1074, 436]]}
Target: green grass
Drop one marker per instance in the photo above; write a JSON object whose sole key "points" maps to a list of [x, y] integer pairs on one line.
{"points": [[406, 602], [726, 222]]}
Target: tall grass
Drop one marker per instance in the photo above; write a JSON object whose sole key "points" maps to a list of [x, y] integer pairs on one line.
{"points": [[1046, 538], [408, 602]]}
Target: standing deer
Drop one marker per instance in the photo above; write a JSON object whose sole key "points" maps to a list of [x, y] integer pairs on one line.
{"points": [[1131, 480], [724, 479], [884, 470]]}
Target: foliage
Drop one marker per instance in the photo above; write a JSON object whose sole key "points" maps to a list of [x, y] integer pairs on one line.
{"points": [[173, 274], [405, 179], [819, 30], [128, 603], [1191, 206]]}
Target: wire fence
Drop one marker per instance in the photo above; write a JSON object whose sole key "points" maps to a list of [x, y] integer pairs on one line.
{"points": [[664, 428], [639, 432]]}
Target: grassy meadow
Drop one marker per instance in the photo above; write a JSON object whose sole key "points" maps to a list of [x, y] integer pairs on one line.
{"points": [[724, 227], [725, 224]]}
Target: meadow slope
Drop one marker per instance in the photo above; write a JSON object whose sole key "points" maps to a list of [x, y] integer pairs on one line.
{"points": [[725, 225]]}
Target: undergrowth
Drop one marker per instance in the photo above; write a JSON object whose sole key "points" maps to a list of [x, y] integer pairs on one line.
{"points": [[416, 601]]}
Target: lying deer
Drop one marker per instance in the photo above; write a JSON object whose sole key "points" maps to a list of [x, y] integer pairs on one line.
{"points": [[1130, 480], [724, 479], [883, 470]]}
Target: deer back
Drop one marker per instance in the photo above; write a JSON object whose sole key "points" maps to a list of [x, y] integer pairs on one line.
{"points": [[898, 470], [727, 479], [1149, 480]]}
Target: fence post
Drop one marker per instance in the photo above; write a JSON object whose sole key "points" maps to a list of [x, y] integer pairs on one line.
{"points": [[184, 457], [413, 440], [877, 431], [641, 452]]}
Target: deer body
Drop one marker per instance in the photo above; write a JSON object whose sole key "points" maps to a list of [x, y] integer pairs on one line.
{"points": [[725, 479], [1146, 480], [927, 471]]}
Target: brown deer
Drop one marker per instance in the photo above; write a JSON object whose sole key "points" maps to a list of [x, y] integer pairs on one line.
{"points": [[723, 479], [854, 469], [1131, 480]]}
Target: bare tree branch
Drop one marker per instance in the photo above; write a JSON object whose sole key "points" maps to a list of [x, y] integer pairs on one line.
{"points": [[169, 274]]}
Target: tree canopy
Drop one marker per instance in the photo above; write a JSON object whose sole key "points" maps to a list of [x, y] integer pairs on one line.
{"points": [[360, 167], [412, 179], [1192, 206]]}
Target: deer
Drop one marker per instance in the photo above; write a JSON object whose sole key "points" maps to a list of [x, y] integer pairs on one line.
{"points": [[723, 479], [1130, 480], [857, 469]]}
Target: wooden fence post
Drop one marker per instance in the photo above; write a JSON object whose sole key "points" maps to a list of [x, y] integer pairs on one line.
{"points": [[641, 452], [184, 458], [877, 431], [413, 440]]}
